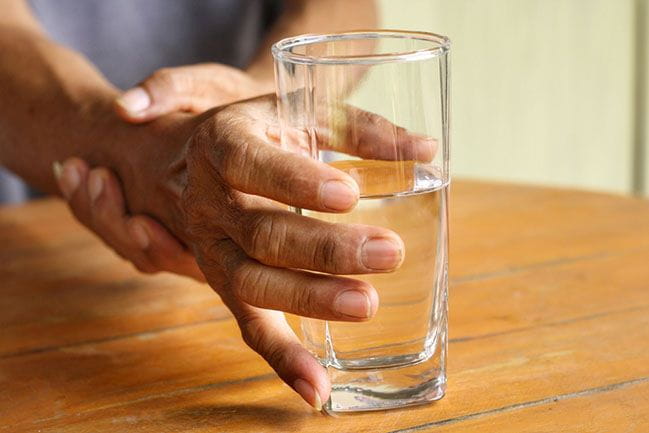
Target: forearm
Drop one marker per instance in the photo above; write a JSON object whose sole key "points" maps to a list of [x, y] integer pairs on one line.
{"points": [[52, 102], [312, 16], [55, 104]]}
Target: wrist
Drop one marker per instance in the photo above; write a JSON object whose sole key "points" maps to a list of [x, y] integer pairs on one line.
{"points": [[150, 161]]}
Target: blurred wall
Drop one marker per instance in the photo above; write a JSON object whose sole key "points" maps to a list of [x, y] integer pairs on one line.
{"points": [[543, 91], [642, 102]]}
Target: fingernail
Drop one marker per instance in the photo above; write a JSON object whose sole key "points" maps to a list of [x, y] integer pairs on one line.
{"points": [[135, 100], [353, 303], [140, 235], [381, 254], [69, 180], [95, 186], [338, 195], [308, 393], [317, 404], [57, 168]]}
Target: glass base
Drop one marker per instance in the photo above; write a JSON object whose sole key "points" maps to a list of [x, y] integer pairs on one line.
{"points": [[386, 388]]}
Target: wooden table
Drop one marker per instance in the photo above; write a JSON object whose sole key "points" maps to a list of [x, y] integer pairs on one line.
{"points": [[549, 325]]}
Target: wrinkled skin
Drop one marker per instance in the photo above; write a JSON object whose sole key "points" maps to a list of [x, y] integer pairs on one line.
{"points": [[229, 184]]}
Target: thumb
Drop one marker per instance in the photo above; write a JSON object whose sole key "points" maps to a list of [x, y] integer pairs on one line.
{"points": [[166, 91]]}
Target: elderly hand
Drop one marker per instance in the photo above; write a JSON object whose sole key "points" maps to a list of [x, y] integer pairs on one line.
{"points": [[193, 88], [95, 196], [221, 195]]}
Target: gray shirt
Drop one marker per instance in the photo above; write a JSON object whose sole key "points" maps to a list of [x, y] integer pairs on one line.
{"points": [[129, 39]]}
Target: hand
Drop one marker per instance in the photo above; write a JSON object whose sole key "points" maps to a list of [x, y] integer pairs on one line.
{"points": [[95, 196], [248, 247], [257, 255], [99, 203], [96, 200], [193, 88]]}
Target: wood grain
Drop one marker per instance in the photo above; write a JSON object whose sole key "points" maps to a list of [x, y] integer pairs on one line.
{"points": [[484, 375], [549, 322], [60, 286]]}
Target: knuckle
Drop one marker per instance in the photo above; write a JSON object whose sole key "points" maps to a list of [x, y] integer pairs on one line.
{"points": [[162, 72], [233, 152], [171, 80], [305, 301], [259, 234], [160, 76], [235, 162], [289, 178], [257, 337], [248, 283], [402, 133], [278, 353], [194, 213], [253, 332], [195, 225], [380, 122], [274, 354], [368, 118], [197, 155], [374, 124], [197, 145], [250, 332], [325, 254], [197, 194], [212, 253], [227, 118], [265, 238]]}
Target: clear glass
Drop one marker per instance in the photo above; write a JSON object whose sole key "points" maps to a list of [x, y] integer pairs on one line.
{"points": [[371, 103]]}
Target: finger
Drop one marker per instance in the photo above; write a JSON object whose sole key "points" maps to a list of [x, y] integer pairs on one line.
{"points": [[139, 239], [268, 334], [102, 210], [371, 136], [133, 105], [226, 150], [95, 198], [281, 238], [163, 92], [166, 91], [303, 293], [162, 249], [361, 133], [194, 88], [72, 177]]}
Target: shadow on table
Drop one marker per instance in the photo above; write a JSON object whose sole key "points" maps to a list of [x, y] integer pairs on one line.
{"points": [[246, 417]]}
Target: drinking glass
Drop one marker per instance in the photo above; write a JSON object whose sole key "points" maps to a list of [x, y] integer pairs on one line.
{"points": [[375, 104]]}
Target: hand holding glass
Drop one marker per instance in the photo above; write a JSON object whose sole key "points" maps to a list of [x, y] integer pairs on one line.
{"points": [[375, 105]]}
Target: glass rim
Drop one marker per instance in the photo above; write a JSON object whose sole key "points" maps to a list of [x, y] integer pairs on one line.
{"points": [[439, 45]]}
